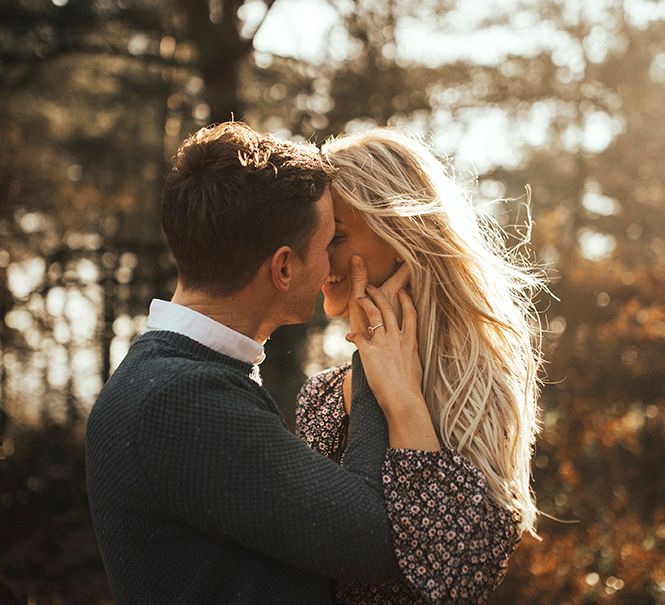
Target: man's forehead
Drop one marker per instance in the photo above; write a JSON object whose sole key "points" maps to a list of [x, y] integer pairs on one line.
{"points": [[326, 199], [325, 208]]}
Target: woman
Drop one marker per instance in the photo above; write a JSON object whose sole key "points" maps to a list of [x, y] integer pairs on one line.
{"points": [[456, 522]]}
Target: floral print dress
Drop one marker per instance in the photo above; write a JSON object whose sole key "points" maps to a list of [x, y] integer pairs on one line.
{"points": [[451, 540]]}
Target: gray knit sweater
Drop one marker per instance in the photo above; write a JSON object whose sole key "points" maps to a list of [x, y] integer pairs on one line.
{"points": [[199, 493]]}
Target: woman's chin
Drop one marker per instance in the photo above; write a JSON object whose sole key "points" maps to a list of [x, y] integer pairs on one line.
{"points": [[335, 308]]}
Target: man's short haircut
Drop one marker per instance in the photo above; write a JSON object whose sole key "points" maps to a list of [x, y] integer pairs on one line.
{"points": [[233, 197]]}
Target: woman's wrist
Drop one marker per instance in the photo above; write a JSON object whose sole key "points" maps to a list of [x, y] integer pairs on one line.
{"points": [[410, 425], [400, 405]]}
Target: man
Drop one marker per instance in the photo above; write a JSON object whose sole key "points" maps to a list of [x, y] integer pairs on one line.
{"points": [[199, 493]]}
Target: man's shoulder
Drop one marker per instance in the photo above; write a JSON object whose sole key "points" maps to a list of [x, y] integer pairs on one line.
{"points": [[179, 374], [198, 378], [154, 371], [154, 351]]}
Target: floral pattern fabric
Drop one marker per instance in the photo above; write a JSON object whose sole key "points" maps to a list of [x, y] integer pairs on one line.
{"points": [[452, 542]]}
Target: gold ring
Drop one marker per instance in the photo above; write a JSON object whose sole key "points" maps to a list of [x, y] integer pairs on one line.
{"points": [[373, 329]]}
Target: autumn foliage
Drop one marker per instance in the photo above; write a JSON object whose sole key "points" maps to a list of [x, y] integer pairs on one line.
{"points": [[95, 98]]}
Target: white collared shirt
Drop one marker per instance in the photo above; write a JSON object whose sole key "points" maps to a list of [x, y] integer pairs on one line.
{"points": [[173, 317]]}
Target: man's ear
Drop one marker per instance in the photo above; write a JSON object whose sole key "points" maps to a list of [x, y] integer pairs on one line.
{"points": [[281, 268]]}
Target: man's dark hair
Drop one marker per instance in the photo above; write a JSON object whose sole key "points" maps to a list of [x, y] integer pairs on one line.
{"points": [[232, 197]]}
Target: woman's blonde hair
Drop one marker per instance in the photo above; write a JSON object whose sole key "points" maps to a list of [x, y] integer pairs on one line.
{"points": [[478, 330]]}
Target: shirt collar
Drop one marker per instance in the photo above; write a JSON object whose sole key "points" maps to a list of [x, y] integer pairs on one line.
{"points": [[173, 317]]}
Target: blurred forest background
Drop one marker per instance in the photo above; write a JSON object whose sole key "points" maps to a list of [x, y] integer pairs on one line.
{"points": [[565, 96]]}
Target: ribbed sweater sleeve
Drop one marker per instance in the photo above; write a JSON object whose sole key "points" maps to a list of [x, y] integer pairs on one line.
{"points": [[218, 456], [367, 424]]}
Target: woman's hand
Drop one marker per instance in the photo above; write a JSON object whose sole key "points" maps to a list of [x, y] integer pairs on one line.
{"points": [[389, 352], [389, 288], [397, 354]]}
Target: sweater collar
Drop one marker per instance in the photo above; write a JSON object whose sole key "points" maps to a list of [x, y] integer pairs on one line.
{"points": [[196, 350], [172, 317]]}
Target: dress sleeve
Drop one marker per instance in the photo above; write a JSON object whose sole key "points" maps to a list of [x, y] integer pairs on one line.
{"points": [[451, 540]]}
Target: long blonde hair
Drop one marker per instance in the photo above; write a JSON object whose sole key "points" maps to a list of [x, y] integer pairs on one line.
{"points": [[478, 330]]}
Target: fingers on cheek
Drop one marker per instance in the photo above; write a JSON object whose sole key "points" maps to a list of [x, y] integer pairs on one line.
{"points": [[368, 307]]}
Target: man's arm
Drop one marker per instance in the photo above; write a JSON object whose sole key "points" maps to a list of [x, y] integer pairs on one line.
{"points": [[224, 463], [367, 423]]}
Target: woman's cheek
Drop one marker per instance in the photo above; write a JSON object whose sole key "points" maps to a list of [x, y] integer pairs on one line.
{"points": [[341, 258]]}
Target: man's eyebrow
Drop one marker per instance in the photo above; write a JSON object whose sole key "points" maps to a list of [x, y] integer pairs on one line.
{"points": [[340, 221]]}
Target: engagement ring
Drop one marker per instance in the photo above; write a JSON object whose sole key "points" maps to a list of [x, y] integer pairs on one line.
{"points": [[372, 329]]}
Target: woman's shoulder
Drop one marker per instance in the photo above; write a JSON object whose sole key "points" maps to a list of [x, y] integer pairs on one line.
{"points": [[324, 382], [320, 407]]}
